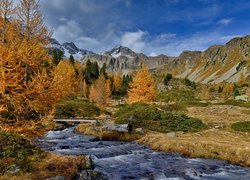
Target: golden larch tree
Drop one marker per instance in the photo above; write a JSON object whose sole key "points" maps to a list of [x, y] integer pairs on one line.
{"points": [[35, 37], [228, 90], [99, 92], [7, 50], [117, 82], [142, 87], [108, 89], [241, 79], [85, 90]]}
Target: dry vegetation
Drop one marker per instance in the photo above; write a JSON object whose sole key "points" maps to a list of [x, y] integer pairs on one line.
{"points": [[219, 141], [51, 165]]}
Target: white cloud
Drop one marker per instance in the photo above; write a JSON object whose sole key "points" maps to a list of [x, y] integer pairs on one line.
{"points": [[170, 44], [134, 40], [68, 32], [225, 21]]}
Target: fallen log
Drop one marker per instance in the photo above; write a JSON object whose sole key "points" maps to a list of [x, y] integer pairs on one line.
{"points": [[118, 127]]}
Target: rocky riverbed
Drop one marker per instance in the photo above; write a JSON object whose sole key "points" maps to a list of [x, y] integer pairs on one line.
{"points": [[128, 160]]}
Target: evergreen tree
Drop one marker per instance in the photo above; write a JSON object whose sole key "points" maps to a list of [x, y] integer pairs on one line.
{"points": [[103, 70], [167, 78], [72, 59], [57, 56]]}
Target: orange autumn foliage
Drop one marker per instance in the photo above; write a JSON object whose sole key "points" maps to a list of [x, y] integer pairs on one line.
{"points": [[100, 92], [117, 82], [142, 87]]}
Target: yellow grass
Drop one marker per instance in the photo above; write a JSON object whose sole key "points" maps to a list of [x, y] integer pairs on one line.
{"points": [[220, 141]]}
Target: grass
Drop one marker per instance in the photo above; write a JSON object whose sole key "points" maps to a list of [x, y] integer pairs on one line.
{"points": [[212, 143], [241, 126], [73, 108], [245, 111], [50, 165], [235, 103], [151, 117]]}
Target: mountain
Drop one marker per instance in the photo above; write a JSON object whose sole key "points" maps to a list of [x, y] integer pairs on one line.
{"points": [[216, 64], [69, 48], [119, 58]]}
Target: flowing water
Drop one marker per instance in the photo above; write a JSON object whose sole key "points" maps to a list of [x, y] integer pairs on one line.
{"points": [[128, 160]]}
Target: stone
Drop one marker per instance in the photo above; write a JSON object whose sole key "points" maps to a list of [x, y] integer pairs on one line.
{"points": [[56, 178], [118, 127], [89, 163], [13, 169], [242, 98], [91, 175], [139, 131], [171, 134]]}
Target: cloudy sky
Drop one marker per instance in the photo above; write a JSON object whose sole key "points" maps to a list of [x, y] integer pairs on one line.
{"points": [[149, 26]]}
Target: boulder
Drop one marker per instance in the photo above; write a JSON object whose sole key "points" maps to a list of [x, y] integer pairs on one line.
{"points": [[118, 127], [89, 163], [139, 131], [91, 175], [242, 98], [171, 134], [56, 178]]}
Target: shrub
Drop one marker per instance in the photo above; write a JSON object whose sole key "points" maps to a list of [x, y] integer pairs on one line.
{"points": [[152, 118], [177, 96], [76, 108], [241, 126], [15, 149], [167, 78]]}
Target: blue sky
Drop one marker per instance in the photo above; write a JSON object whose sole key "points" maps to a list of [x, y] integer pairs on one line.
{"points": [[149, 26]]}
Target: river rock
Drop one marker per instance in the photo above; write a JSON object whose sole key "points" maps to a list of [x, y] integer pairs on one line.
{"points": [[139, 131], [13, 169], [91, 175], [171, 134], [118, 127], [89, 163], [56, 178]]}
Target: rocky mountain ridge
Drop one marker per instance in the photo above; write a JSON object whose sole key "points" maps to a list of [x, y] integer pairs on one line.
{"points": [[216, 64]]}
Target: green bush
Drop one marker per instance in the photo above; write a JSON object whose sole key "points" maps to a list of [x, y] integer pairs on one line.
{"points": [[177, 96], [15, 148], [76, 108], [241, 126], [154, 118], [167, 78]]}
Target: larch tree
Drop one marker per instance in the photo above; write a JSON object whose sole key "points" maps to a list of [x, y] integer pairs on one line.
{"points": [[241, 80], [108, 89], [7, 63], [142, 87], [117, 82], [35, 37], [99, 92], [85, 90]]}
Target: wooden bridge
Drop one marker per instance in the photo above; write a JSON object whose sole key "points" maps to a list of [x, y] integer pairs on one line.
{"points": [[77, 120]]}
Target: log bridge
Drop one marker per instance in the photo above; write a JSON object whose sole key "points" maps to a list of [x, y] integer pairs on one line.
{"points": [[77, 120]]}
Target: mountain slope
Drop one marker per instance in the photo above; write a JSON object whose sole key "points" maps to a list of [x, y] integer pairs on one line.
{"points": [[216, 64]]}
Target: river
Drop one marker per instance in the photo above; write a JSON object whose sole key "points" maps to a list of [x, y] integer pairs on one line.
{"points": [[128, 160]]}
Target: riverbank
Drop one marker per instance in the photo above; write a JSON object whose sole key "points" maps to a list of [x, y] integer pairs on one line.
{"points": [[20, 158], [216, 144], [219, 141]]}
